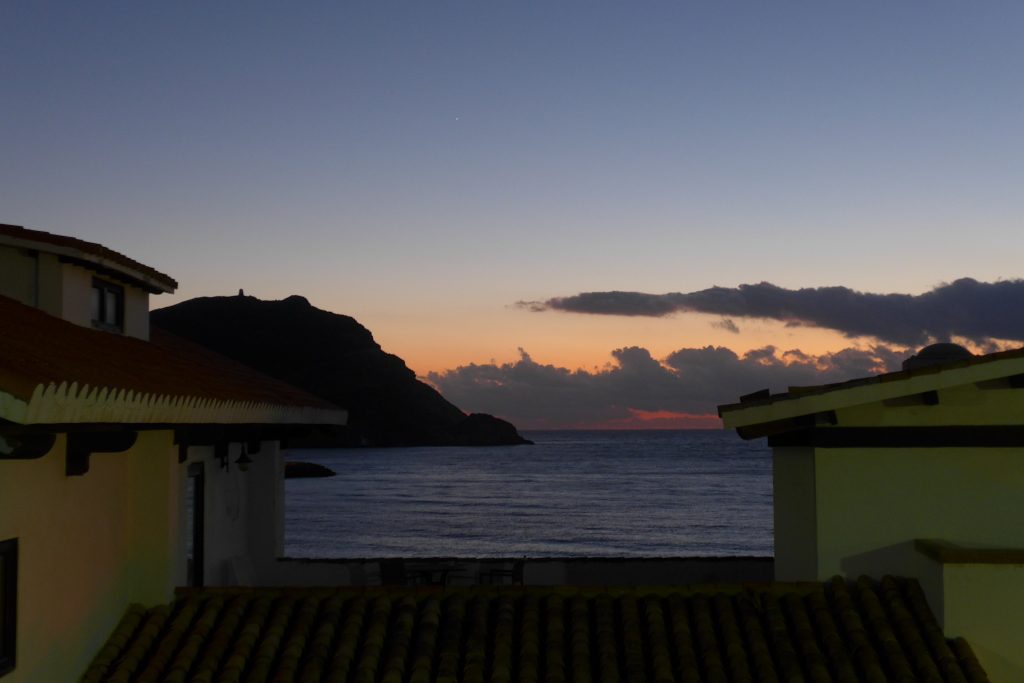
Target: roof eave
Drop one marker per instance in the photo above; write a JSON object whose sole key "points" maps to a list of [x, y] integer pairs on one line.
{"points": [[154, 282], [140, 279], [738, 415]]}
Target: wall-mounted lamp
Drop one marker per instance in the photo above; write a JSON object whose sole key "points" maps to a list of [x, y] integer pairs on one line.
{"points": [[221, 453], [243, 461]]}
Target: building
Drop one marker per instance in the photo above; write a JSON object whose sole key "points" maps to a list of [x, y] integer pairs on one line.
{"points": [[614, 629], [917, 473], [131, 461], [78, 281]]}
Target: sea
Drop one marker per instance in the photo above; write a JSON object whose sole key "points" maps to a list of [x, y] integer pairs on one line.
{"points": [[572, 494]]}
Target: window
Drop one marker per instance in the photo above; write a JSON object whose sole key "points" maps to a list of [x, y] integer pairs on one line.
{"points": [[107, 305], [8, 602]]}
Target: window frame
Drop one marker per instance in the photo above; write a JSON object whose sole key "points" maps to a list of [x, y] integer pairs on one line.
{"points": [[103, 287], [8, 605]]}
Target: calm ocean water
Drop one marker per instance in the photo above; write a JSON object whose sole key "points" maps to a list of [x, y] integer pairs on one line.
{"points": [[574, 493]]}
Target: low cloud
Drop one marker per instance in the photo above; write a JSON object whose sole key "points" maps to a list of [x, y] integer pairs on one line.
{"points": [[965, 308], [689, 382], [726, 324]]}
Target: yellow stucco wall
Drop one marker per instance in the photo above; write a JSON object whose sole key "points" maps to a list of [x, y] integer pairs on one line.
{"points": [[854, 511], [991, 403], [65, 290], [51, 295], [33, 280], [873, 502], [985, 604], [18, 275], [88, 547]]}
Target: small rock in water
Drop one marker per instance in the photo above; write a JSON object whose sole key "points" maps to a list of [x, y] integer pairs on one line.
{"points": [[302, 470]]}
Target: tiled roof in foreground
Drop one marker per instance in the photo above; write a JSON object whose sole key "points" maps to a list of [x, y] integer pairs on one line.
{"points": [[864, 631]]}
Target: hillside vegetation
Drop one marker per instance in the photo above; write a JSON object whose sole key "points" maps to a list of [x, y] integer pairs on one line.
{"points": [[336, 358]]}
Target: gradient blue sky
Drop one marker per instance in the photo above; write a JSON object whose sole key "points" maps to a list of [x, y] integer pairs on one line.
{"points": [[424, 165]]}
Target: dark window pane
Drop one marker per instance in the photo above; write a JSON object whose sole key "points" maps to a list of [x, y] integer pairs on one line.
{"points": [[110, 307]]}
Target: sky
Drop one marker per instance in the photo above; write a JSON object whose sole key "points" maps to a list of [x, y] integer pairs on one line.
{"points": [[569, 214]]}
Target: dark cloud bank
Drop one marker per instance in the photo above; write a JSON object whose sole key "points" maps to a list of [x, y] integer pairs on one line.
{"points": [[692, 381], [978, 311]]}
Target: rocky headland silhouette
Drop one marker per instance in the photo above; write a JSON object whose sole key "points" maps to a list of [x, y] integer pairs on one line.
{"points": [[336, 358]]}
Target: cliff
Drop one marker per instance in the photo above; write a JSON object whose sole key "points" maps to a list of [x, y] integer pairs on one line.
{"points": [[336, 358]]}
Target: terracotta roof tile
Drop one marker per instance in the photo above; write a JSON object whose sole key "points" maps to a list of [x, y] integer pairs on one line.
{"points": [[88, 249], [37, 348], [864, 631]]}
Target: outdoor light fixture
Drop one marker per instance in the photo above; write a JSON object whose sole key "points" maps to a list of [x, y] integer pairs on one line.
{"points": [[221, 453], [243, 461]]}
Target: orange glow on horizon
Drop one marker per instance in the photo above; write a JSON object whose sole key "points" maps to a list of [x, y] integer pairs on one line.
{"points": [[435, 343], [638, 419], [666, 419]]}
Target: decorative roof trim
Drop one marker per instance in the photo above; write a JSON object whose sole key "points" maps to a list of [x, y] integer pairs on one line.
{"points": [[64, 404]]}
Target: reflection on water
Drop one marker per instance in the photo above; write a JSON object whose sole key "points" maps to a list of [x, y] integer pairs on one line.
{"points": [[598, 494]]}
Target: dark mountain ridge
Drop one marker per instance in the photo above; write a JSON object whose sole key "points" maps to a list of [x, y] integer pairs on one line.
{"points": [[336, 358]]}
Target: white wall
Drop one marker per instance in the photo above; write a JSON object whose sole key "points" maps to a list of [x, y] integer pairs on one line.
{"points": [[136, 313], [266, 509], [76, 295], [76, 301], [88, 547], [244, 523]]}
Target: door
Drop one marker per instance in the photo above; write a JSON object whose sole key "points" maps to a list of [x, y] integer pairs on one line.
{"points": [[194, 506]]}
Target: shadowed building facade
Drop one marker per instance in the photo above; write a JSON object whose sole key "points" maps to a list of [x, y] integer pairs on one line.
{"points": [[130, 463], [917, 473]]}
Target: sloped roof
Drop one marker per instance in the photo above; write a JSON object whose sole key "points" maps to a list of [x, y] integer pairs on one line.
{"points": [[88, 253], [763, 407], [53, 371], [865, 631]]}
